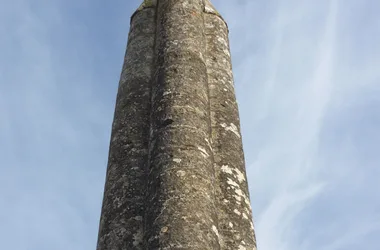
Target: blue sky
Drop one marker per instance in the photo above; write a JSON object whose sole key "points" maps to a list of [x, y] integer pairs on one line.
{"points": [[308, 85]]}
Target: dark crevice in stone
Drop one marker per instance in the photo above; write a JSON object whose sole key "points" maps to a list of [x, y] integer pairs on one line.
{"points": [[166, 123]]}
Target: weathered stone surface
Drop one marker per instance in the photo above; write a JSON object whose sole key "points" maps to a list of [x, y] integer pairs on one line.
{"points": [[181, 213], [234, 209], [123, 210], [176, 174]]}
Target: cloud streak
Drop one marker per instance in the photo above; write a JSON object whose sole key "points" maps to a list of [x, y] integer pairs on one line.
{"points": [[299, 111], [295, 92]]}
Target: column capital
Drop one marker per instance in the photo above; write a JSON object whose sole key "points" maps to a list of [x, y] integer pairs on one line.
{"points": [[147, 4]]}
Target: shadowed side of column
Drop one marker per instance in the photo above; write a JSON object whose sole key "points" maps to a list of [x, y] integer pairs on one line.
{"points": [[123, 209], [234, 209], [181, 211]]}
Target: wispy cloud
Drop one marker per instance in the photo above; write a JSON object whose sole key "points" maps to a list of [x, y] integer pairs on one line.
{"points": [[299, 81], [297, 92], [53, 122]]}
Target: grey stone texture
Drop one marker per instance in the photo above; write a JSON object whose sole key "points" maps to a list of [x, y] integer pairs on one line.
{"points": [[123, 210], [176, 174], [232, 197]]}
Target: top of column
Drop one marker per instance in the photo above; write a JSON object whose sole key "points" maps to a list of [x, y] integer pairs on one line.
{"points": [[147, 4], [209, 8]]}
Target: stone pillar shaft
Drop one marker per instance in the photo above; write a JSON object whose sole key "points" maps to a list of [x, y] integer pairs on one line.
{"points": [[123, 209], [232, 197], [181, 212], [176, 173]]}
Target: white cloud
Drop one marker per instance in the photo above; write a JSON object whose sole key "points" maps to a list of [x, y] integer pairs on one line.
{"points": [[297, 75]]}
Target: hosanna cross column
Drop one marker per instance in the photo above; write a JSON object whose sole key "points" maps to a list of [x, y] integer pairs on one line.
{"points": [[176, 174]]}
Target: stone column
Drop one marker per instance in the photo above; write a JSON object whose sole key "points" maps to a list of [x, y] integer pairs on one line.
{"points": [[234, 209], [176, 173], [181, 211], [122, 218]]}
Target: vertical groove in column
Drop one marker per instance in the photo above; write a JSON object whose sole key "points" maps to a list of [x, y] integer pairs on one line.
{"points": [[234, 209], [180, 212], [121, 223]]}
